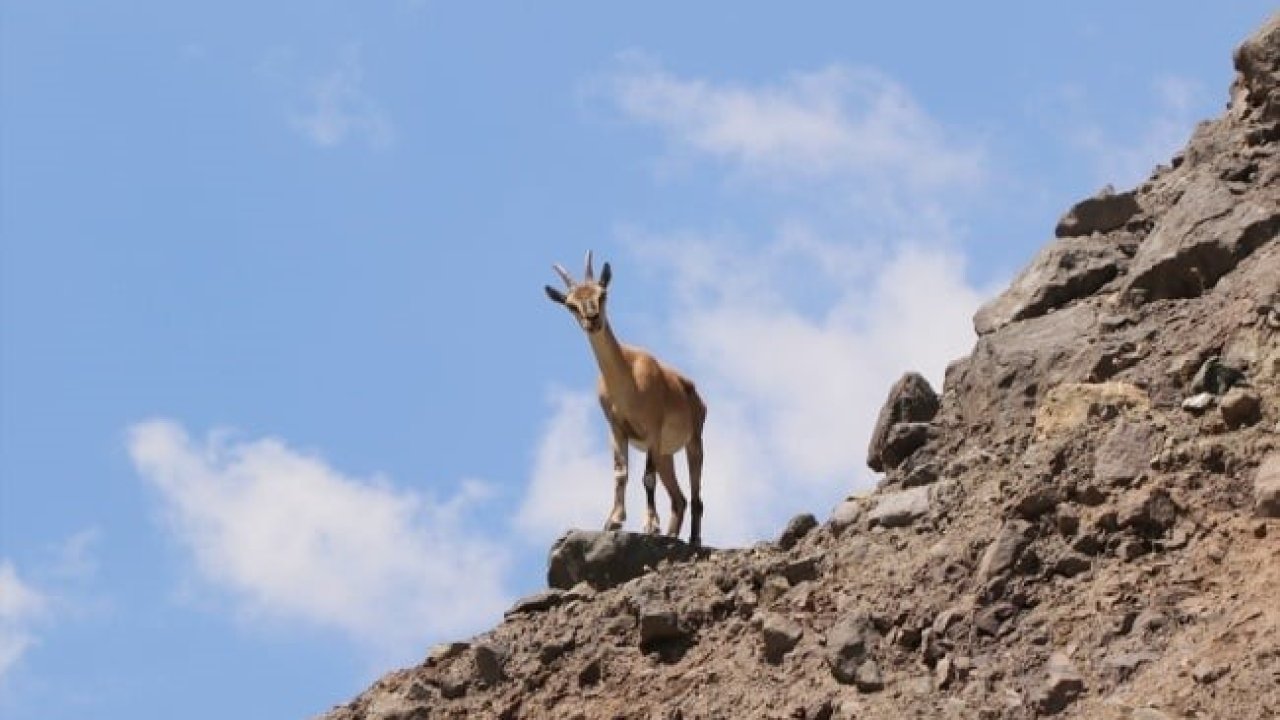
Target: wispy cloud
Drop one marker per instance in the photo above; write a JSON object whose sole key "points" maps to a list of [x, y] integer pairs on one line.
{"points": [[1123, 156], [838, 121], [333, 107], [291, 538], [22, 607]]}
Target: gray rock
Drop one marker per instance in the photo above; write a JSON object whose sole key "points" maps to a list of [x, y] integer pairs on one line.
{"points": [[867, 677], [796, 529], [1216, 377], [490, 659], [1063, 271], [1004, 550], [1036, 502], [849, 642], [1199, 403], [1256, 91], [847, 513], [1125, 453], [1101, 213], [903, 440], [1240, 407], [1266, 487], [900, 509], [1207, 673], [659, 624], [1149, 511], [538, 602], [1124, 664], [1062, 686], [911, 399], [1200, 239], [925, 473], [779, 634], [606, 559], [1071, 565]]}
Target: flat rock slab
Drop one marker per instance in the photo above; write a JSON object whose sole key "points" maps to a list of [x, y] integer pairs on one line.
{"points": [[900, 509], [603, 559]]}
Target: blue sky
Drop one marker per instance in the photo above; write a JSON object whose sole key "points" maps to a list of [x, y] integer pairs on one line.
{"points": [[281, 400]]}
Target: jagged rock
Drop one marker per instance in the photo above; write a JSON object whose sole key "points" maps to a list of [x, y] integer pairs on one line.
{"points": [[796, 529], [923, 474], [657, 624], [1256, 89], [490, 659], [847, 513], [1199, 240], [1266, 488], [1240, 407], [1003, 552], [537, 602], [1063, 685], [867, 677], [901, 508], [849, 642], [904, 439], [1206, 673], [607, 558], [1125, 454], [911, 399], [1199, 403], [1071, 565], [779, 634], [1215, 376], [1063, 271], [1150, 511], [1101, 213]]}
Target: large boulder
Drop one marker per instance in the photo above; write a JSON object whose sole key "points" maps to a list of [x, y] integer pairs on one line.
{"points": [[1256, 90], [1203, 237], [911, 400], [1101, 213], [1063, 271], [603, 559]]}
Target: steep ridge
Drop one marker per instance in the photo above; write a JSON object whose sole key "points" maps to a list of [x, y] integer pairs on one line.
{"points": [[1082, 524]]}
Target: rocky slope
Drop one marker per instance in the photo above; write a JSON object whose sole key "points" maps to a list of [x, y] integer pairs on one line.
{"points": [[1082, 524]]}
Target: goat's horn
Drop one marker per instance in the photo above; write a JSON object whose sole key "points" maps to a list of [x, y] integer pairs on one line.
{"points": [[591, 274], [564, 275]]}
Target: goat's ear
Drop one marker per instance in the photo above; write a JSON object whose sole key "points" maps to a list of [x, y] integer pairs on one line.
{"points": [[606, 274], [554, 294]]}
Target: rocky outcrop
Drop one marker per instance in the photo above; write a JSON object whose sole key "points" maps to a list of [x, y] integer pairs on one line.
{"points": [[1083, 525]]}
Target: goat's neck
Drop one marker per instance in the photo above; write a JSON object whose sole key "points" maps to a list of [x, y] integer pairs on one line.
{"points": [[613, 365]]}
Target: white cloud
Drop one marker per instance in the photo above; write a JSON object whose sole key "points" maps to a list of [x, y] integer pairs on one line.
{"points": [[794, 338], [339, 108], [289, 537], [839, 121], [793, 392], [21, 607]]}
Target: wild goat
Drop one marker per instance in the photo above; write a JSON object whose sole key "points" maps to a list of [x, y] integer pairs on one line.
{"points": [[647, 403]]}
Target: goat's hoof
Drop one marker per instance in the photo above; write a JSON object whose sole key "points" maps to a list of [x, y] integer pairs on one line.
{"points": [[612, 525]]}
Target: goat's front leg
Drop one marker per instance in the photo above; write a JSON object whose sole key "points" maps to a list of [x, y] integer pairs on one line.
{"points": [[619, 514]]}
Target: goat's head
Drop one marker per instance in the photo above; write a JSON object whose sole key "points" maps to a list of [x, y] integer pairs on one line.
{"points": [[586, 299]]}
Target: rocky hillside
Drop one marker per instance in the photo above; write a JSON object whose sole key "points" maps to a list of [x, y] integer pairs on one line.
{"points": [[1082, 524]]}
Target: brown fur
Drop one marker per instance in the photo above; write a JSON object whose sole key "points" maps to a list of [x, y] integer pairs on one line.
{"points": [[647, 403]]}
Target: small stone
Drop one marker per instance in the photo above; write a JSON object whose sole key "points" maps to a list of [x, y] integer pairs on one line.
{"points": [[1215, 377], [1087, 544], [868, 678], [1067, 521], [1036, 503], [1240, 407], [1260, 531], [773, 588], [490, 658], [1063, 685], [780, 634], [849, 642], [1131, 549], [1071, 565], [1149, 512], [1266, 487], [446, 651], [1207, 673], [989, 620], [536, 603], [1004, 550], [901, 508], [796, 529], [942, 673], [1198, 403], [658, 625]]}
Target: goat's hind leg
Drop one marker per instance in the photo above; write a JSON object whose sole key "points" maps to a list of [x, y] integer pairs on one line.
{"points": [[650, 489], [667, 471]]}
